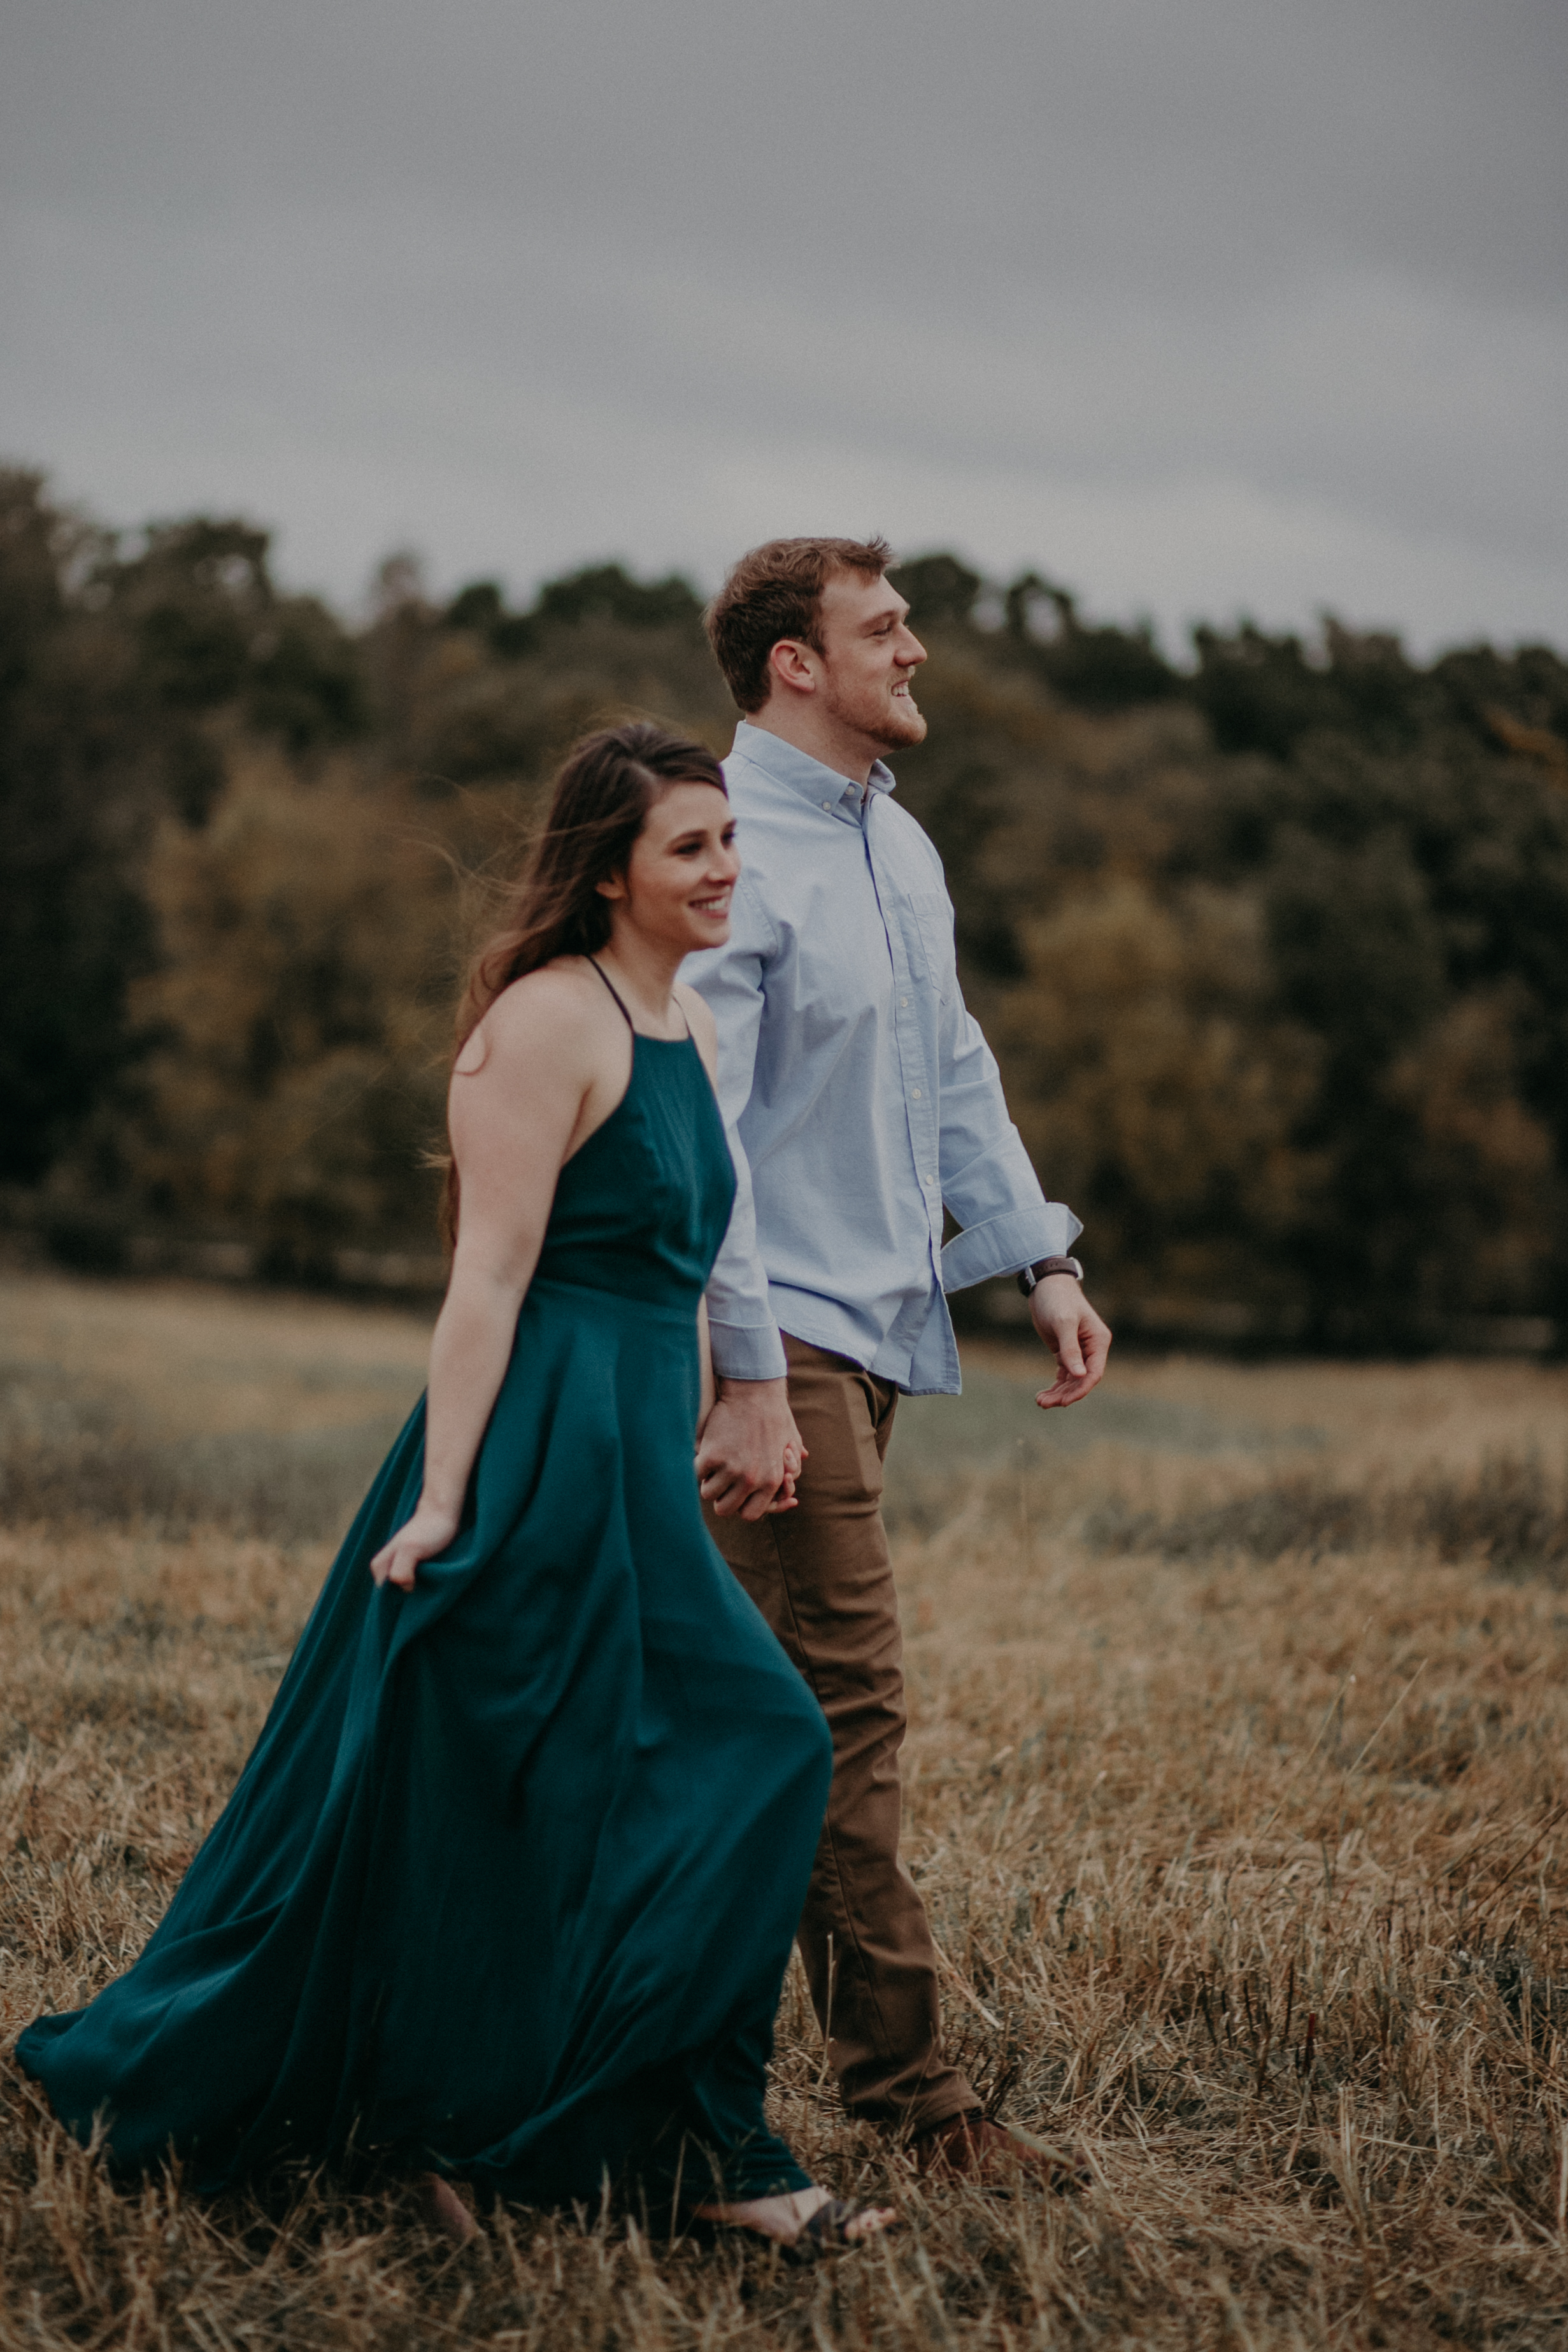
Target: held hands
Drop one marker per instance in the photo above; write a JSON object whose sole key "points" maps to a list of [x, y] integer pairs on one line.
{"points": [[749, 1452], [429, 1531], [1075, 1335]]}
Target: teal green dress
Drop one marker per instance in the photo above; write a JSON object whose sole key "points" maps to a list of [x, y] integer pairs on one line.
{"points": [[509, 1883]]}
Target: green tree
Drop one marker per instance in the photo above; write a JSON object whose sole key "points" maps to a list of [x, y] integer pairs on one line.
{"points": [[1274, 949], [73, 928], [1159, 1091], [297, 1016]]}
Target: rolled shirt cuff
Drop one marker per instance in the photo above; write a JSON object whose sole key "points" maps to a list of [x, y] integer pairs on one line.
{"points": [[746, 1351], [1006, 1244]]}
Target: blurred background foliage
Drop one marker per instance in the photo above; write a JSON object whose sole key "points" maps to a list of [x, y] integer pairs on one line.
{"points": [[1272, 946]]}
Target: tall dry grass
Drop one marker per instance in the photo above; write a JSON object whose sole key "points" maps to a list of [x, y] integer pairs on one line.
{"points": [[1246, 1860]]}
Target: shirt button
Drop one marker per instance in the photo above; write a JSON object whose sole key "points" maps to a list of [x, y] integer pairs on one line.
{"points": [[916, 1092], [828, 806], [903, 999]]}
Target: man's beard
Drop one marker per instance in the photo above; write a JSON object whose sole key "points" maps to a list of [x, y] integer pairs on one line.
{"points": [[893, 725], [902, 725]]}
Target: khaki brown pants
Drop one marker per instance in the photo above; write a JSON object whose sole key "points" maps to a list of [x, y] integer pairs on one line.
{"points": [[822, 1577]]}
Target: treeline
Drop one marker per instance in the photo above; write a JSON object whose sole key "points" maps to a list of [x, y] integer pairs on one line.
{"points": [[1273, 946]]}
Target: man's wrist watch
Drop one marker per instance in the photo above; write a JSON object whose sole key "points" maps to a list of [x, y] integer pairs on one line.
{"points": [[1036, 1274]]}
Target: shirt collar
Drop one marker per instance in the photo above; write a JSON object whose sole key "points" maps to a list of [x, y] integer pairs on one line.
{"points": [[823, 786]]}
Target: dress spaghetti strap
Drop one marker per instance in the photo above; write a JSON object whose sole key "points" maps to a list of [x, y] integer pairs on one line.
{"points": [[610, 984], [626, 1017]]}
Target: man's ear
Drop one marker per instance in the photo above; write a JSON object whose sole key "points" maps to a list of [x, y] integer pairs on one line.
{"points": [[792, 664]]}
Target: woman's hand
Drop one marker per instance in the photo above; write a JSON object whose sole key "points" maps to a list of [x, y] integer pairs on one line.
{"points": [[749, 1455], [430, 1530]]}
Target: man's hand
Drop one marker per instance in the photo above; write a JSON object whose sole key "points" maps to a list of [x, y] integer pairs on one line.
{"points": [[1074, 1333], [750, 1453]]}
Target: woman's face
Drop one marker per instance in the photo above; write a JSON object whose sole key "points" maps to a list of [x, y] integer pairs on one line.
{"points": [[680, 879]]}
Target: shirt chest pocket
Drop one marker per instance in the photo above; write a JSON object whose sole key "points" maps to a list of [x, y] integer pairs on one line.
{"points": [[928, 931]]}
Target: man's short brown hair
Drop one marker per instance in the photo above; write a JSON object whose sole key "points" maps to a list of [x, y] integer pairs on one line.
{"points": [[776, 591]]}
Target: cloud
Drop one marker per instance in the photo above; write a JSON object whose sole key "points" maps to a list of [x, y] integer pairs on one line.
{"points": [[1202, 308]]}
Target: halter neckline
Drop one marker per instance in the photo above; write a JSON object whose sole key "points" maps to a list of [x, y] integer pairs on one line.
{"points": [[627, 1017]]}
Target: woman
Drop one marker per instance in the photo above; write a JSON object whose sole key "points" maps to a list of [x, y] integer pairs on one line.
{"points": [[508, 1885]]}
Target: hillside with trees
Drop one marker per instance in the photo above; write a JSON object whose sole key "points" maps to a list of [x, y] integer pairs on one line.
{"points": [[1272, 944]]}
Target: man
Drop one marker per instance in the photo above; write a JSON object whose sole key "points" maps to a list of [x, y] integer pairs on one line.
{"points": [[861, 1098]]}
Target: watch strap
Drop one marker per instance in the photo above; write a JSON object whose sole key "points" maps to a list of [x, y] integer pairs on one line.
{"points": [[1032, 1276]]}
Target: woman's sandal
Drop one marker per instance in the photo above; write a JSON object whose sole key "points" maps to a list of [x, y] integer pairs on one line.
{"points": [[827, 2232]]}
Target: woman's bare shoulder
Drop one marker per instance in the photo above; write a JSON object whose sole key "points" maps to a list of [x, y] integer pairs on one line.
{"points": [[553, 1011], [699, 1017], [696, 1010], [557, 991]]}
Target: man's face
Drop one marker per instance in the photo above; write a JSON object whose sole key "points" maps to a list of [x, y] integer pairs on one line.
{"points": [[870, 655]]}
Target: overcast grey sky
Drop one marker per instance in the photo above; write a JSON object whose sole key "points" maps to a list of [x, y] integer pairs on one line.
{"points": [[1200, 305]]}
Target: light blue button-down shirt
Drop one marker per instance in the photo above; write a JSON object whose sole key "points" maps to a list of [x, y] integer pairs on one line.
{"points": [[860, 1096]]}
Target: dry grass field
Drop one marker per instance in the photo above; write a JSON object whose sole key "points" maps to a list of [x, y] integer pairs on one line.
{"points": [[1236, 1788]]}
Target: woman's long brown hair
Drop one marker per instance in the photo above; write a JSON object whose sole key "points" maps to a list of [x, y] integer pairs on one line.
{"points": [[599, 804]]}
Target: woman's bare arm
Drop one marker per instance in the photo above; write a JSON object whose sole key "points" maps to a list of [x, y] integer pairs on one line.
{"points": [[539, 1074], [705, 1365], [705, 1037]]}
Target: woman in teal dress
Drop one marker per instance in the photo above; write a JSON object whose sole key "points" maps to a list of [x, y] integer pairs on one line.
{"points": [[506, 1890]]}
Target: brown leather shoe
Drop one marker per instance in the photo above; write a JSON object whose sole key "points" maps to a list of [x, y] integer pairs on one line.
{"points": [[992, 2156]]}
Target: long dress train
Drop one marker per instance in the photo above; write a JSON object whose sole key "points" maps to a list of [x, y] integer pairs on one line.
{"points": [[508, 1885]]}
